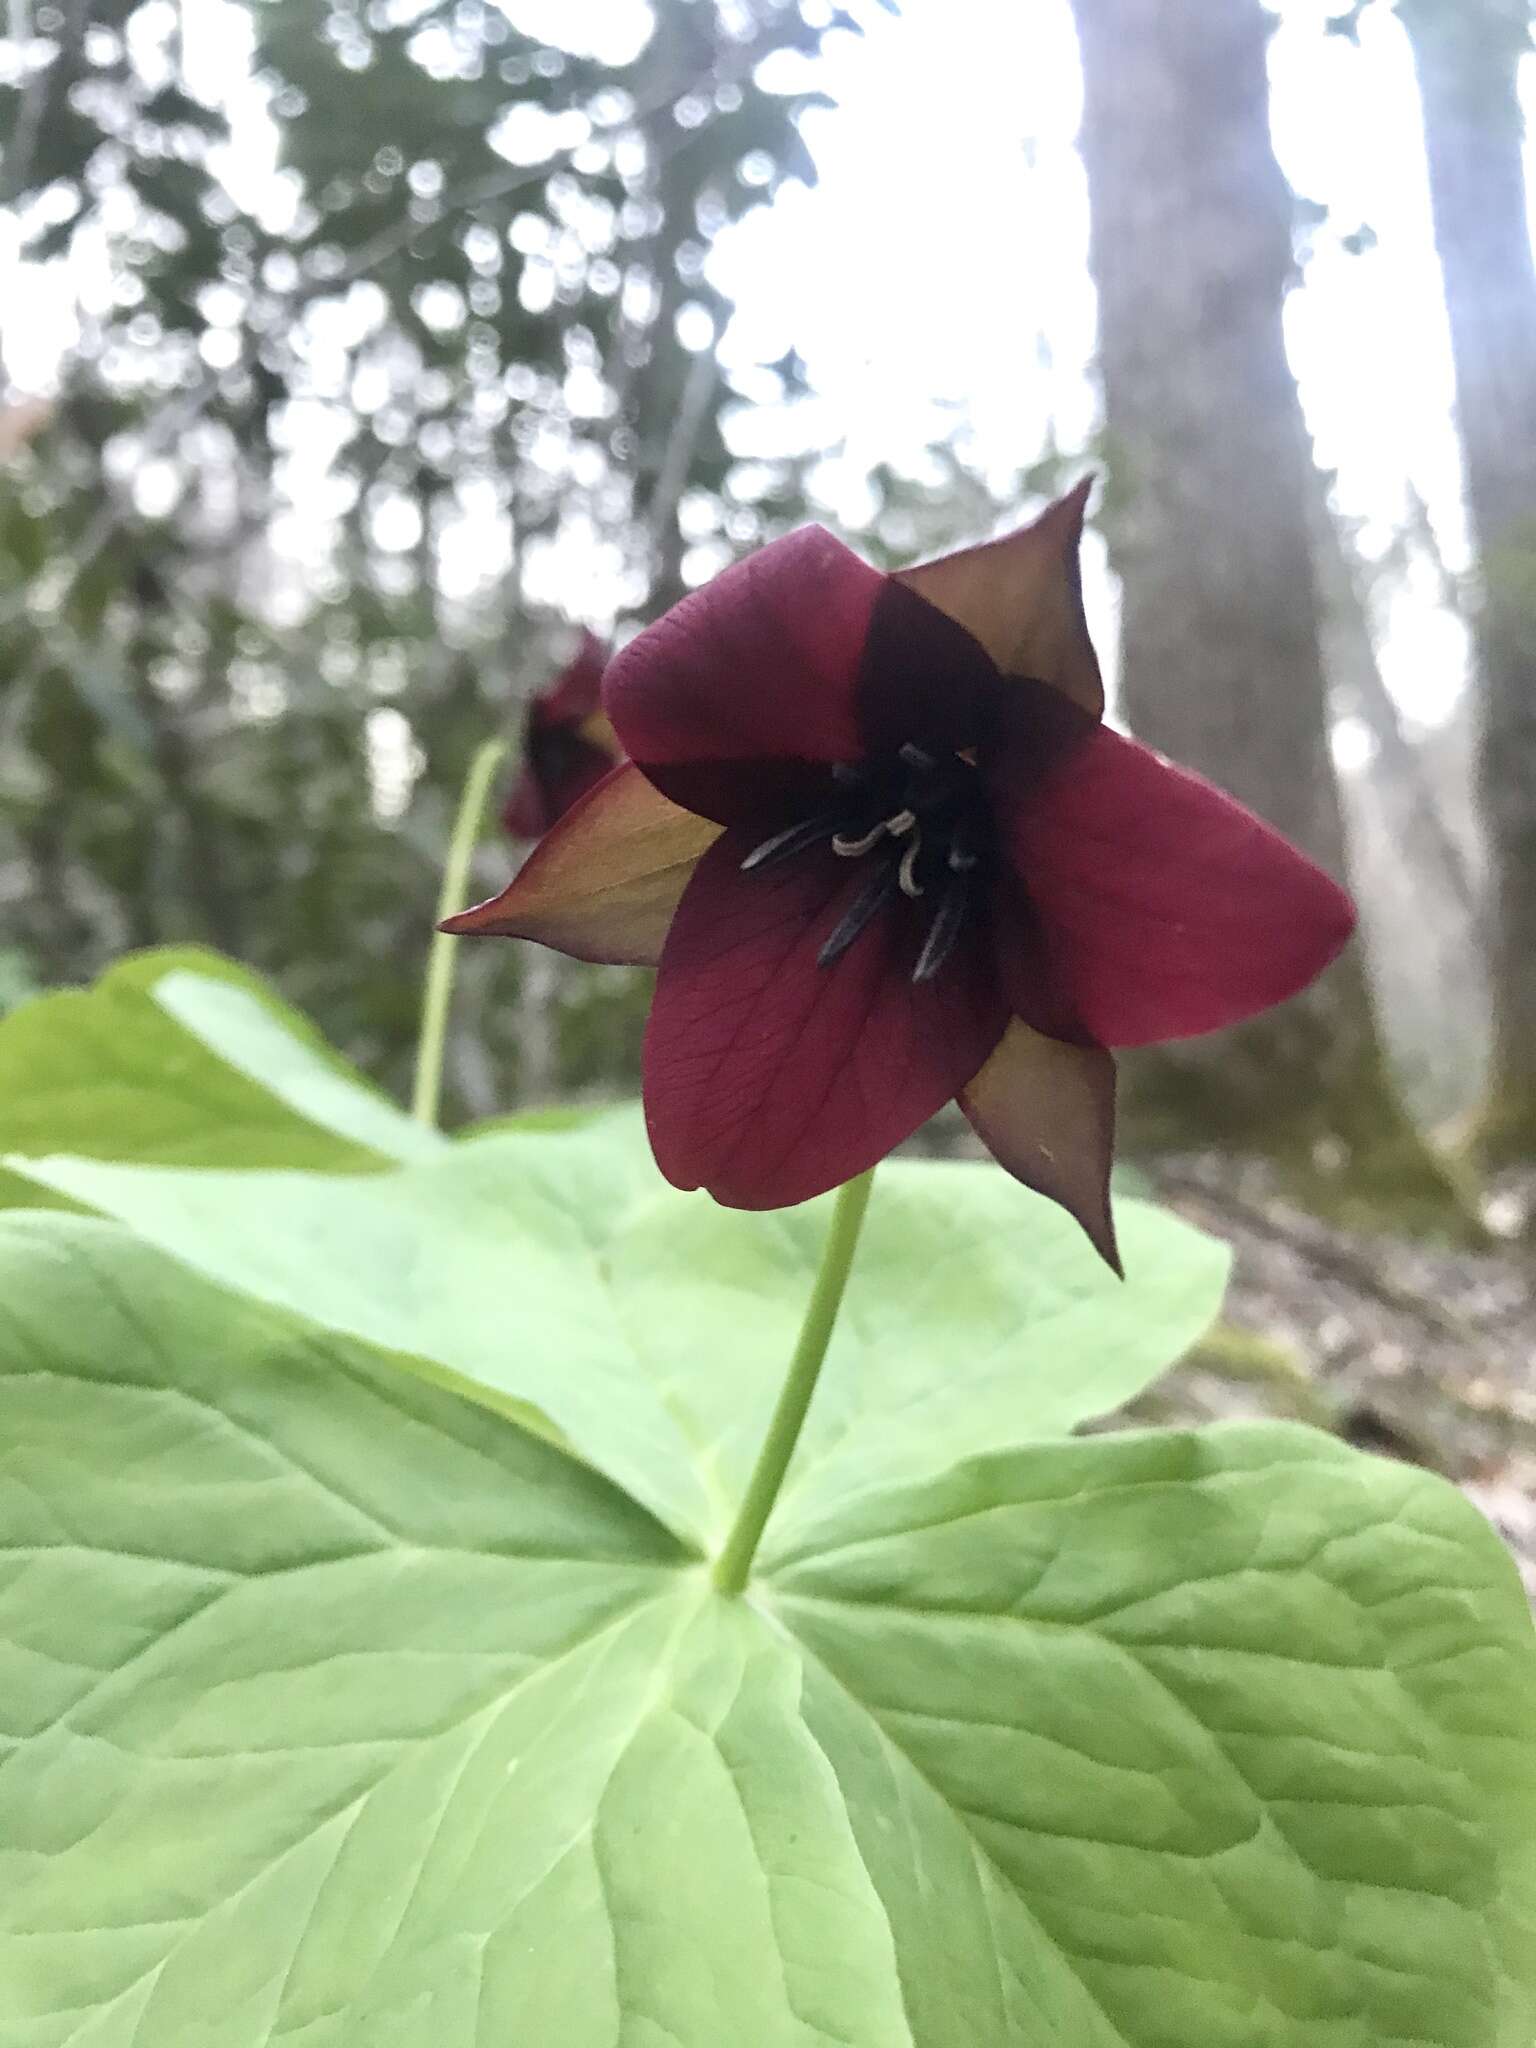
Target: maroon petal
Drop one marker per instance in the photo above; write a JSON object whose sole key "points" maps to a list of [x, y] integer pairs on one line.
{"points": [[757, 794], [1046, 1111], [1035, 729], [1168, 909], [604, 882], [578, 689], [561, 765], [525, 815], [1029, 980], [923, 679], [760, 664], [1022, 598], [768, 1078]]}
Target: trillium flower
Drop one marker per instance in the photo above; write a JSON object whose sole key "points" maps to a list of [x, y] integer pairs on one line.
{"points": [[886, 854], [568, 745]]}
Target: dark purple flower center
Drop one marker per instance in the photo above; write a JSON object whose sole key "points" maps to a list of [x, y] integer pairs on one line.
{"points": [[920, 824]]}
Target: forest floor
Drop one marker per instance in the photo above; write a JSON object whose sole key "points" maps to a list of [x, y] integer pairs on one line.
{"points": [[1415, 1351]]}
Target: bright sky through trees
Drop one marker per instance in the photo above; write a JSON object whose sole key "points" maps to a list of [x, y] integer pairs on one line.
{"points": [[944, 254], [939, 269]]}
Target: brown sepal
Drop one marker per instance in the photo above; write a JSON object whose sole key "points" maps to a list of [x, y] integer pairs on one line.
{"points": [[1045, 1110], [1022, 598], [603, 882]]}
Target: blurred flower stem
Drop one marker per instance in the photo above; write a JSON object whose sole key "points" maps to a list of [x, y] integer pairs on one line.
{"points": [[437, 993]]}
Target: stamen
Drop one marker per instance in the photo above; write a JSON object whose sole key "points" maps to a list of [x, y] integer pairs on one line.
{"points": [[793, 839], [933, 835], [896, 825], [870, 900], [853, 849], [942, 933], [906, 873]]}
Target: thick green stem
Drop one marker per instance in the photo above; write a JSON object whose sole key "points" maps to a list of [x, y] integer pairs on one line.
{"points": [[734, 1563], [437, 994]]}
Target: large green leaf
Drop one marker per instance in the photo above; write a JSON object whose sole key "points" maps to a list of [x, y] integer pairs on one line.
{"points": [[181, 1058], [339, 1713], [651, 1329], [1235, 1725]]}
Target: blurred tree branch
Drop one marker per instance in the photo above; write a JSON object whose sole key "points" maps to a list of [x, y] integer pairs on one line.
{"points": [[43, 89]]}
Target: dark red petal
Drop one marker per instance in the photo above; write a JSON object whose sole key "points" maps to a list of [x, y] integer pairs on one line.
{"points": [[923, 679], [761, 663], [525, 815], [1029, 981], [1169, 909], [1034, 731], [604, 882], [567, 766], [759, 794], [1022, 597], [769, 1079], [1046, 1111], [560, 769], [578, 689]]}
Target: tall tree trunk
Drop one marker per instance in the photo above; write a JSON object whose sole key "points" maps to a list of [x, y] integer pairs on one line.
{"points": [[1210, 479], [1467, 53]]}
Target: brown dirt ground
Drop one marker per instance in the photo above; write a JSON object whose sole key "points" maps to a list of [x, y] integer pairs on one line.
{"points": [[1411, 1350]]}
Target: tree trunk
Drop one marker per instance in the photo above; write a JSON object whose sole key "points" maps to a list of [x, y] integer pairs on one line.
{"points": [[1467, 53], [1211, 473]]}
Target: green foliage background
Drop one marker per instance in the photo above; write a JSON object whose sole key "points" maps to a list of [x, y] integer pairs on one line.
{"points": [[191, 728]]}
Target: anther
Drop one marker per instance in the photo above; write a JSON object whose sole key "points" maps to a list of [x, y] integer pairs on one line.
{"points": [[906, 873], [933, 835], [853, 849], [793, 839], [866, 905], [942, 933], [896, 825]]}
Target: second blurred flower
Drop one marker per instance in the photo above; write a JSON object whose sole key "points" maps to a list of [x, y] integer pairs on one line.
{"points": [[568, 745]]}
